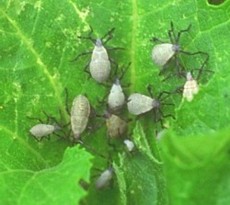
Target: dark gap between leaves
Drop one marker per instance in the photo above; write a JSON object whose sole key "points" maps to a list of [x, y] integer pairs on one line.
{"points": [[216, 2]]}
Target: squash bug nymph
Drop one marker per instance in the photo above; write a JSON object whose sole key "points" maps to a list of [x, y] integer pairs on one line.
{"points": [[139, 104], [163, 52], [42, 130], [116, 97], [116, 126], [191, 87], [79, 117], [104, 179], [129, 145], [99, 65]]}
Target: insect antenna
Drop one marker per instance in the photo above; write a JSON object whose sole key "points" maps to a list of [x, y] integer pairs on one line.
{"points": [[89, 37], [180, 32]]}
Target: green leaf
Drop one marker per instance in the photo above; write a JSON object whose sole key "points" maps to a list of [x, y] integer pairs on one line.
{"points": [[197, 168], [38, 41], [209, 111], [134, 174], [196, 149], [140, 175], [49, 186]]}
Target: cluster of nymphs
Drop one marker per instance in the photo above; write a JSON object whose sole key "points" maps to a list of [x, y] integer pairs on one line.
{"points": [[170, 54], [99, 68]]}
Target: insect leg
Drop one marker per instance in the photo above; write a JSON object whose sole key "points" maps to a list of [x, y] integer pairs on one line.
{"points": [[149, 88], [89, 37], [156, 40], [110, 36], [81, 54]]}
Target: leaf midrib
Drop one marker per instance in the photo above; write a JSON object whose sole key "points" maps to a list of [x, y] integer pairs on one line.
{"points": [[133, 41]]}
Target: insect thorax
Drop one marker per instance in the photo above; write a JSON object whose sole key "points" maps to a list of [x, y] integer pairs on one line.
{"points": [[156, 104], [176, 48]]}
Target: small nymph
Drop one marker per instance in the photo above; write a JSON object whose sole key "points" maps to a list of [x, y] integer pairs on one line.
{"points": [[104, 179], [191, 87]]}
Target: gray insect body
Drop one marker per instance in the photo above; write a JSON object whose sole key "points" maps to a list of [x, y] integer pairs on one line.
{"points": [[162, 53], [129, 145], [116, 126], [42, 130], [139, 104], [104, 179], [100, 65], [80, 112], [116, 98]]}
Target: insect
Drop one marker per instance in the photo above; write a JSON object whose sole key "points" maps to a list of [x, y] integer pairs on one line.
{"points": [[99, 65], [79, 115], [104, 179], [191, 87], [129, 145], [163, 52], [116, 97], [139, 104], [42, 130], [115, 125]]}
